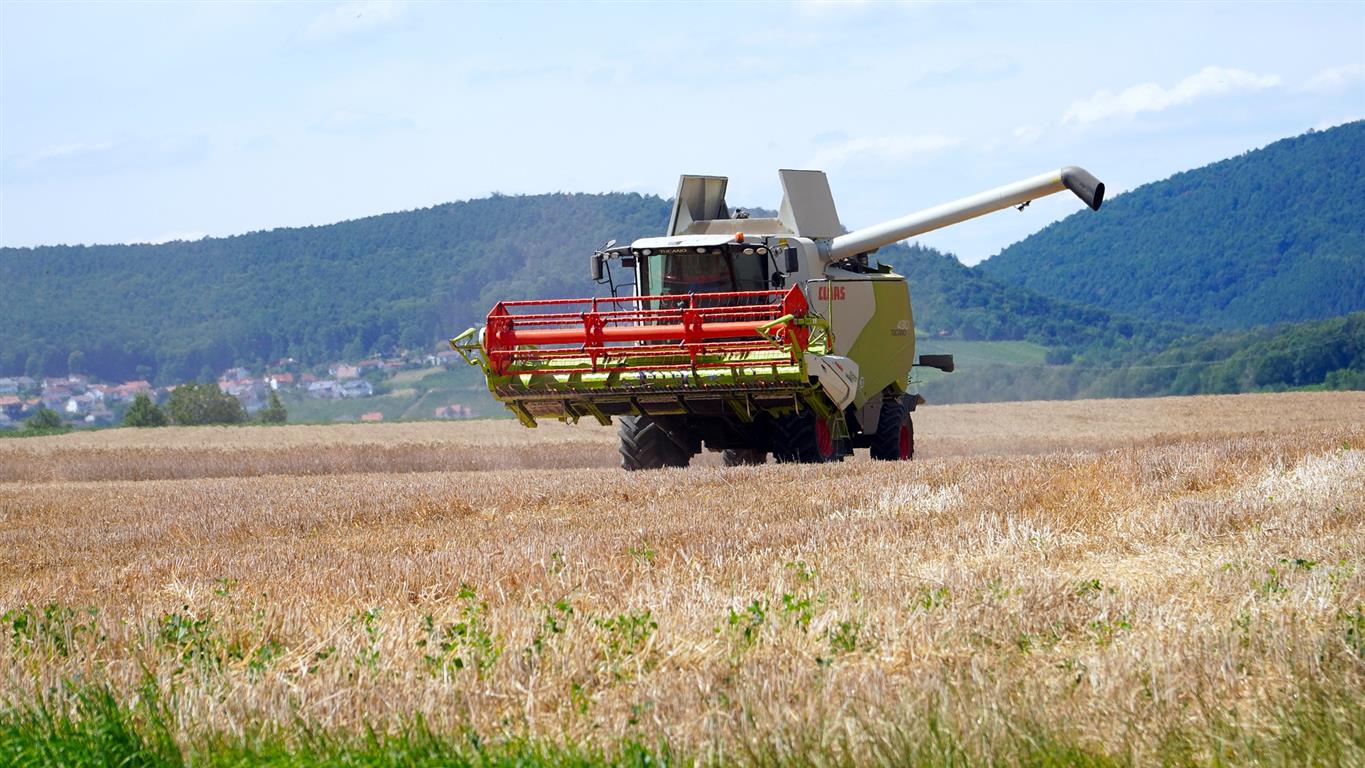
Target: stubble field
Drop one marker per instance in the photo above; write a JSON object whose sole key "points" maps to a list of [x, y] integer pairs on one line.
{"points": [[1125, 582]]}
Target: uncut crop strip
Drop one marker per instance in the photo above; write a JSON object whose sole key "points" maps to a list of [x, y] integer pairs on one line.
{"points": [[943, 431]]}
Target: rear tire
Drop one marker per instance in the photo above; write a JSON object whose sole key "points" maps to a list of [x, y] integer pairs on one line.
{"points": [[651, 443], [895, 438], [742, 457], [802, 438]]}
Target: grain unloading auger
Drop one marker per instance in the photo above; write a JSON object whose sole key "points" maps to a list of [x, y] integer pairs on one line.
{"points": [[744, 335]]}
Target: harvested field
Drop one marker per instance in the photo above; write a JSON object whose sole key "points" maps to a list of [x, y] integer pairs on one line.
{"points": [[1178, 580]]}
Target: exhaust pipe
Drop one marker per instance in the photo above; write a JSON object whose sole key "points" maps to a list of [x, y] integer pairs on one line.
{"points": [[1085, 186]]}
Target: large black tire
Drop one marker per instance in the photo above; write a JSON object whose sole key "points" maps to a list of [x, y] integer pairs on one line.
{"points": [[797, 439], [651, 443], [895, 438], [740, 457]]}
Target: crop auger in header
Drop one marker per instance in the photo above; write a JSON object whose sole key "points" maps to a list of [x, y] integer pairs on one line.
{"points": [[751, 336]]}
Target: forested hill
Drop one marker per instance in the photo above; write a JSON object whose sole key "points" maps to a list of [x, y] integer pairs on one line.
{"points": [[314, 293], [344, 291], [1276, 234]]}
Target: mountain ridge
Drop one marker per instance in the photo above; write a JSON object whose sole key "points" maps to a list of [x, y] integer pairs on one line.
{"points": [[1276, 234]]}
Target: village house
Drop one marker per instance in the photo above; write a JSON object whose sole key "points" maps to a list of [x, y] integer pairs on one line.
{"points": [[11, 406], [357, 388], [279, 381], [99, 415], [56, 400], [79, 405], [445, 357], [125, 392], [325, 388], [372, 416], [343, 371], [9, 386], [252, 394]]}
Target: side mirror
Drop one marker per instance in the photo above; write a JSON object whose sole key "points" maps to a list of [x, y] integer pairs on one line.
{"points": [[793, 264], [598, 267]]}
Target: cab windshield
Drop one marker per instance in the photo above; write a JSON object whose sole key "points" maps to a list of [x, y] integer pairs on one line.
{"points": [[718, 270]]}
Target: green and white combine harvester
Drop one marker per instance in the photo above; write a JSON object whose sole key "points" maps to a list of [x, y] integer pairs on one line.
{"points": [[751, 336]]}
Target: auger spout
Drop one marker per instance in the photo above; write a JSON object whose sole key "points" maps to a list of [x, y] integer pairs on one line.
{"points": [[1085, 186]]}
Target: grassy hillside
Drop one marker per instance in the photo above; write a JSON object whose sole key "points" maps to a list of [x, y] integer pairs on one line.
{"points": [[1274, 235], [1324, 354]]}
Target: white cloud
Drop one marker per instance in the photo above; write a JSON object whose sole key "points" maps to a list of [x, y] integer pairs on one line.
{"points": [[1027, 134], [81, 159], [1335, 78], [1333, 122], [1150, 97], [348, 18], [905, 147]]}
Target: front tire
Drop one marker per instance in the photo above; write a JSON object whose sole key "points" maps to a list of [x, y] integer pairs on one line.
{"points": [[895, 438], [651, 443], [803, 438]]}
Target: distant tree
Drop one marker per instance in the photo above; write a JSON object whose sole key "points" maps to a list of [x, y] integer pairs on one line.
{"points": [[274, 413], [203, 403], [1058, 356], [144, 413], [75, 362], [44, 419]]}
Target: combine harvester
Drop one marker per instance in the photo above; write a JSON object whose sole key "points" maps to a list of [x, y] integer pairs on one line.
{"points": [[744, 335]]}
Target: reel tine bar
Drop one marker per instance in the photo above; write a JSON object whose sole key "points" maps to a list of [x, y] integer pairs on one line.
{"points": [[640, 333]]}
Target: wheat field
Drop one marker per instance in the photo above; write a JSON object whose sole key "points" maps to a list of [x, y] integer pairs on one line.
{"points": [[1177, 580]]}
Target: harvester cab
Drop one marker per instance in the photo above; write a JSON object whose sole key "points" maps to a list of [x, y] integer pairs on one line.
{"points": [[750, 336]]}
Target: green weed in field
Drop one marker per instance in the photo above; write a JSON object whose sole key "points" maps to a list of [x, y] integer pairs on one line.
{"points": [[465, 642], [55, 628]]}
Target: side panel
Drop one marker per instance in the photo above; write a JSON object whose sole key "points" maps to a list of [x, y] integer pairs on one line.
{"points": [[872, 325]]}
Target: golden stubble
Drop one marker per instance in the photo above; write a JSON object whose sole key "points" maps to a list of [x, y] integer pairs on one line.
{"points": [[1108, 579]]}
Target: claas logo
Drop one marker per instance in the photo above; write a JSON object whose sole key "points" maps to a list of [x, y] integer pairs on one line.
{"points": [[829, 293]]}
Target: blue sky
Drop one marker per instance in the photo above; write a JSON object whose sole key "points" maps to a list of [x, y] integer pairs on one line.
{"points": [[147, 122]]}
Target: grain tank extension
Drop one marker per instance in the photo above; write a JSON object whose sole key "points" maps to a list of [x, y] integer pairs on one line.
{"points": [[751, 336]]}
